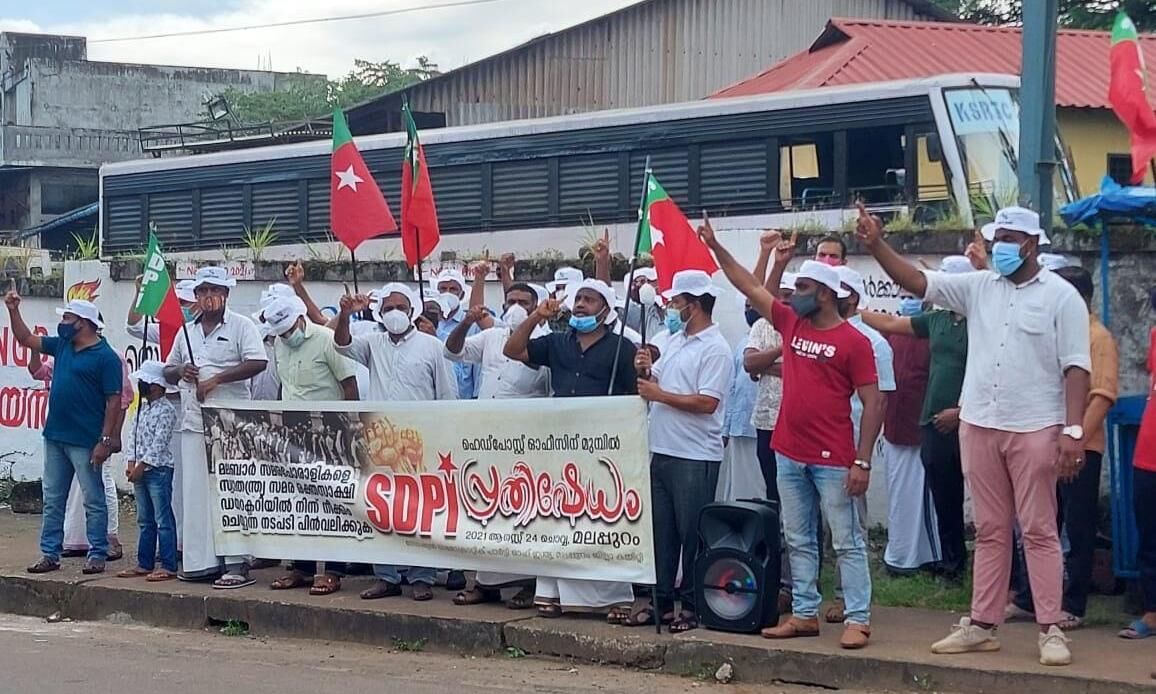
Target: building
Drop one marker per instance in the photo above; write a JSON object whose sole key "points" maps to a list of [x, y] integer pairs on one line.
{"points": [[62, 116], [857, 51], [650, 53]]}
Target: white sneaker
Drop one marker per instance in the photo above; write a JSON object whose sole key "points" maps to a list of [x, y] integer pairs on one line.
{"points": [[965, 637], [1054, 648]]}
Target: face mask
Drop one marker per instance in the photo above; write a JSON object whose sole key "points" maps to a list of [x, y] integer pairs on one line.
{"points": [[295, 338], [584, 324], [395, 322], [189, 313], [674, 321], [831, 261], [910, 306], [449, 303], [805, 305], [752, 316], [66, 331], [514, 316], [1005, 256]]}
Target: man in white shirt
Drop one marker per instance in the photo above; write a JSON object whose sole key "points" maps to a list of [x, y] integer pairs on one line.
{"points": [[687, 388], [501, 378], [1024, 393], [405, 365], [226, 354]]}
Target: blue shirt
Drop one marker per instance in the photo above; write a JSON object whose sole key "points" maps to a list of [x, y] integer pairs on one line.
{"points": [[741, 401], [468, 375], [82, 381], [884, 367]]}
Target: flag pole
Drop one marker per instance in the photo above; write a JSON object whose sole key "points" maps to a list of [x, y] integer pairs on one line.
{"points": [[353, 261], [144, 346], [416, 229], [630, 278]]}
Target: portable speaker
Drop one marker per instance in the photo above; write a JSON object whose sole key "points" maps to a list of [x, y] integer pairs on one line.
{"points": [[737, 569]]}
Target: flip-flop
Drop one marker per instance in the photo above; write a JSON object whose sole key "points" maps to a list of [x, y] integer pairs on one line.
{"points": [[325, 584], [1136, 631], [549, 611], [478, 596], [160, 576], [422, 592], [291, 581], [135, 572], [233, 582], [381, 589], [523, 600], [684, 623]]}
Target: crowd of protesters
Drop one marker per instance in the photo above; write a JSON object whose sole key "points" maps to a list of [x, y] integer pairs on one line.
{"points": [[994, 375]]}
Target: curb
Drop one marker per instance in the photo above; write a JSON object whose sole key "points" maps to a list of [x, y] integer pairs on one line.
{"points": [[580, 639]]}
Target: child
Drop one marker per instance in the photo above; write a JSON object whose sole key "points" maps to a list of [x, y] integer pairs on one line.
{"points": [[150, 469]]}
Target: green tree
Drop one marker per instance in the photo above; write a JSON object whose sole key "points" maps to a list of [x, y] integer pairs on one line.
{"points": [[310, 96], [1074, 14]]}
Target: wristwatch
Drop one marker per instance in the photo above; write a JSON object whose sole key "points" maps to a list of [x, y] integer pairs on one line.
{"points": [[106, 440], [864, 465], [1075, 432]]}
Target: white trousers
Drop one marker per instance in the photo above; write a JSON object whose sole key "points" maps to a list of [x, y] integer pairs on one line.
{"points": [[911, 523], [74, 524]]}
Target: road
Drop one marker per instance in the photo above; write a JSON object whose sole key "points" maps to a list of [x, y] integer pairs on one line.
{"points": [[102, 658]]}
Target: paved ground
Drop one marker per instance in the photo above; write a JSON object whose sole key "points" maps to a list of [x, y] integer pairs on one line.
{"points": [[898, 658], [102, 658]]}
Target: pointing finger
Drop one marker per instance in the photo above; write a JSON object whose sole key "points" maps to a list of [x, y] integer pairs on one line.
{"points": [[862, 209]]}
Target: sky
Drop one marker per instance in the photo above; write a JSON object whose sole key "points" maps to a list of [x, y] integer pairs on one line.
{"points": [[450, 36]]}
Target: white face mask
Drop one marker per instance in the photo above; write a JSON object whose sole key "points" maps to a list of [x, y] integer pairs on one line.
{"points": [[449, 303], [515, 316], [396, 322]]}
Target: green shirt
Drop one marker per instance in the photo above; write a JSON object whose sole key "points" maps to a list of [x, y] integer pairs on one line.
{"points": [[313, 371], [948, 335]]}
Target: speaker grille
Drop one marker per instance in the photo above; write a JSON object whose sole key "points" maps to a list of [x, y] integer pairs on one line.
{"points": [[731, 588]]}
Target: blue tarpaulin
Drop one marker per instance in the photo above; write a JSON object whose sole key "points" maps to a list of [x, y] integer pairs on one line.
{"points": [[1135, 203]]}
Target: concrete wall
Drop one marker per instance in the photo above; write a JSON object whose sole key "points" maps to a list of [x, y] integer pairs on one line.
{"points": [[1091, 135]]}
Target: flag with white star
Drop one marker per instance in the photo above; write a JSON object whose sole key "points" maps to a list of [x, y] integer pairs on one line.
{"points": [[666, 234], [357, 209], [1128, 96]]}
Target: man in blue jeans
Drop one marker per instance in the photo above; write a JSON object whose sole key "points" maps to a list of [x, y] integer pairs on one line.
{"points": [[80, 431], [825, 361]]}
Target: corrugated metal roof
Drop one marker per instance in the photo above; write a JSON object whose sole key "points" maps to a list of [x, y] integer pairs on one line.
{"points": [[853, 51]]}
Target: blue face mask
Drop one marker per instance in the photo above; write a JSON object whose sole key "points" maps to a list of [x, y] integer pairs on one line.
{"points": [[674, 321], [188, 313], [584, 324], [752, 316], [66, 331], [1006, 258], [294, 339], [910, 306]]}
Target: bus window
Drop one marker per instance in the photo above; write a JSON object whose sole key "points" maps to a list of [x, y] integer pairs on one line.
{"points": [[806, 172], [986, 125], [875, 164]]}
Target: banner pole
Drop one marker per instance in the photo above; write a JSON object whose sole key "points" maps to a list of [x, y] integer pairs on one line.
{"points": [[353, 261], [144, 345], [630, 278]]}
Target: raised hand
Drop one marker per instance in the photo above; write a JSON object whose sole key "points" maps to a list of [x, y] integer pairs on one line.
{"points": [[977, 251], [12, 300], [769, 241], [549, 308], [354, 303], [507, 262], [481, 268], [785, 249], [706, 232], [295, 274], [868, 228], [475, 314], [602, 246]]}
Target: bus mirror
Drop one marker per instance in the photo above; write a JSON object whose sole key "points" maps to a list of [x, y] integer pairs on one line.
{"points": [[934, 149]]}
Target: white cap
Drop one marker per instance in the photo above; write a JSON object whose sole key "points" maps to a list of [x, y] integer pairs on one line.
{"points": [[854, 281], [693, 282], [788, 281], [83, 309], [1016, 219], [824, 275], [276, 291], [151, 371], [605, 290], [282, 313], [1053, 261], [956, 265], [397, 288], [448, 276], [214, 275], [184, 291], [540, 291], [565, 276]]}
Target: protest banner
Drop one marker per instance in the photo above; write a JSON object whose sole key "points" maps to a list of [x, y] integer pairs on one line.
{"points": [[556, 487]]}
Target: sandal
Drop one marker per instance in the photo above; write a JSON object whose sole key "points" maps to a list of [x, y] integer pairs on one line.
{"points": [[523, 600], [135, 572], [291, 580], [550, 611], [325, 584], [1070, 622], [1136, 631], [618, 616], [685, 622], [422, 592], [641, 616], [44, 566], [161, 575], [478, 596], [92, 567], [381, 589], [835, 613], [233, 581]]}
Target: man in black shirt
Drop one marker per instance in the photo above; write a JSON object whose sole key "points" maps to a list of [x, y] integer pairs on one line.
{"points": [[581, 360]]}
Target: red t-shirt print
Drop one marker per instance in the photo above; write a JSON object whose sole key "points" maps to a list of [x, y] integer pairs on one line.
{"points": [[1144, 457], [821, 371]]}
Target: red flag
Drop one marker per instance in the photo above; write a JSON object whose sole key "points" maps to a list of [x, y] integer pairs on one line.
{"points": [[666, 233], [1127, 95], [419, 215], [357, 209]]}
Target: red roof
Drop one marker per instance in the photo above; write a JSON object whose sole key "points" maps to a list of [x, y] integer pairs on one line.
{"points": [[855, 51]]}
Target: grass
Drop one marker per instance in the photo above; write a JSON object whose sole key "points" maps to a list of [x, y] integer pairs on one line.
{"points": [[235, 627], [257, 240], [515, 652], [86, 248], [403, 646]]}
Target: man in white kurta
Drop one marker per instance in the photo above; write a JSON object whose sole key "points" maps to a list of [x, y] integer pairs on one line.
{"points": [[226, 354], [404, 364]]}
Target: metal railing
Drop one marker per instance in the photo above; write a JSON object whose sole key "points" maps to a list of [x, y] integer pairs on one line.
{"points": [[81, 147], [208, 136]]}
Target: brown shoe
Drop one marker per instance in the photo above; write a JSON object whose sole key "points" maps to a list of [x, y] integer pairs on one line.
{"points": [[793, 628], [855, 636], [44, 566]]}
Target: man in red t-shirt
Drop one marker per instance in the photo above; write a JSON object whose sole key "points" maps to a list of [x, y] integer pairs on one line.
{"points": [[1144, 504], [825, 361]]}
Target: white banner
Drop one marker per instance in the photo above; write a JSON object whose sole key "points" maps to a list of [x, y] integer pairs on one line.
{"points": [[556, 487]]}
